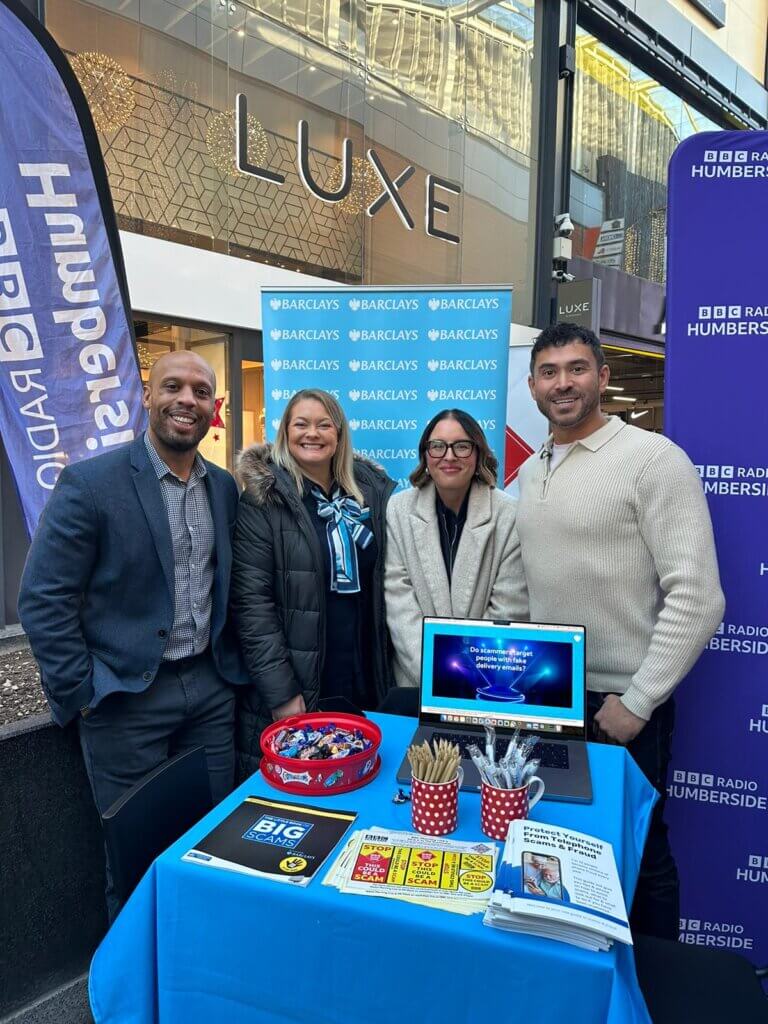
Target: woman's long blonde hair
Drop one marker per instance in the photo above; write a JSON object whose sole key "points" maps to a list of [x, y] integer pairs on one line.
{"points": [[342, 469]]}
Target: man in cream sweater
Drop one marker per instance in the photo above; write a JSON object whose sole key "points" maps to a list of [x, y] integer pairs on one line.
{"points": [[615, 534]]}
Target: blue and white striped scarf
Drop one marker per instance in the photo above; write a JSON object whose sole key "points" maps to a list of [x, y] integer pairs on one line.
{"points": [[346, 533]]}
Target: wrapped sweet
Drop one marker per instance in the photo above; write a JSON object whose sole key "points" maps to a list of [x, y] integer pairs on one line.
{"points": [[325, 742]]}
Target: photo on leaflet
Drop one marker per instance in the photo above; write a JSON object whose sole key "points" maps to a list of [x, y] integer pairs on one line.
{"points": [[533, 672], [542, 876]]}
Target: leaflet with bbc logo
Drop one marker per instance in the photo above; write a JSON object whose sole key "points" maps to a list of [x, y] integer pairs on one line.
{"points": [[274, 839]]}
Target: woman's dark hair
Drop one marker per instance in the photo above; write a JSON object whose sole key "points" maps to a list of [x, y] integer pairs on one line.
{"points": [[487, 463]]}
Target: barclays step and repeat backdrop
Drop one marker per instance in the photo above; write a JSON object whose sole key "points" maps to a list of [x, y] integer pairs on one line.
{"points": [[393, 358], [717, 357]]}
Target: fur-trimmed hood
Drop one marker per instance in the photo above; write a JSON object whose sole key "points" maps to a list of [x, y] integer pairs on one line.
{"points": [[257, 473]]}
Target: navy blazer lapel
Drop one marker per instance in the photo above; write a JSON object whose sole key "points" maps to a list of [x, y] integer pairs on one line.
{"points": [[151, 498]]}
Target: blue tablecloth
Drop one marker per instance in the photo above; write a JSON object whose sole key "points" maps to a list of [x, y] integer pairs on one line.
{"points": [[199, 946]]}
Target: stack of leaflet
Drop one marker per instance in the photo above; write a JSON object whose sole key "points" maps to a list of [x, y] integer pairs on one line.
{"points": [[559, 884], [433, 872]]}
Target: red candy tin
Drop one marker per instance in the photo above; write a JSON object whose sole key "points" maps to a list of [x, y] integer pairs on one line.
{"points": [[321, 777]]}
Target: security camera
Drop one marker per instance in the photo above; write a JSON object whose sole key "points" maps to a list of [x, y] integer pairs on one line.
{"points": [[564, 226], [562, 276]]}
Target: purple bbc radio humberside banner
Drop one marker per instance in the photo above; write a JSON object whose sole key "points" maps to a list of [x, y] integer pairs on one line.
{"points": [[69, 379], [715, 405]]}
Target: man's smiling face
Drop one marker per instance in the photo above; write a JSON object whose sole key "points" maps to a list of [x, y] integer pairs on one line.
{"points": [[180, 398], [566, 384]]}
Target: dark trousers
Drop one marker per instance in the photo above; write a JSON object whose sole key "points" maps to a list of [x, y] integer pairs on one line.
{"points": [[656, 907], [129, 734]]}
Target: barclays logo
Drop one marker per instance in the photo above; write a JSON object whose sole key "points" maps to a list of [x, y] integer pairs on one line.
{"points": [[470, 302], [461, 365], [462, 395], [285, 394], [383, 454], [301, 334], [306, 365], [381, 424], [464, 334], [385, 334], [383, 305], [312, 303], [383, 365], [383, 395]]}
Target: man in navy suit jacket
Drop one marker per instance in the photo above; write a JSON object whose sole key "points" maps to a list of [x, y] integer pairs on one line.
{"points": [[124, 595]]}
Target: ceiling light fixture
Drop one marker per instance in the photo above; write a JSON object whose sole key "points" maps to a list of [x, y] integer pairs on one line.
{"points": [[107, 88], [365, 187], [220, 141]]}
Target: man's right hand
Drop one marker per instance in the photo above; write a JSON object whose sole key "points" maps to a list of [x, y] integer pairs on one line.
{"points": [[294, 706]]}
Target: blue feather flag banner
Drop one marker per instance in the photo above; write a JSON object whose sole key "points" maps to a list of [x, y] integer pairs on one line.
{"points": [[70, 385]]}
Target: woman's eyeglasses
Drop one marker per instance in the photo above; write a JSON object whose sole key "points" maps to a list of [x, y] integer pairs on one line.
{"points": [[460, 449]]}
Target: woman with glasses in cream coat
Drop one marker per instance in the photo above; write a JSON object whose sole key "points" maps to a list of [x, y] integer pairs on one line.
{"points": [[452, 547]]}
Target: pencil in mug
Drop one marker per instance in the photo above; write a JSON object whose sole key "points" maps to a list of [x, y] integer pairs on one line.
{"points": [[436, 764]]}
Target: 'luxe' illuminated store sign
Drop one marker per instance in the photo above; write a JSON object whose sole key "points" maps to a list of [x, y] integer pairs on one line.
{"points": [[390, 186]]}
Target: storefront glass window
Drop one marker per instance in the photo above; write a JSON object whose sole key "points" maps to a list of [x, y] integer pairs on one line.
{"points": [[626, 128], [446, 87], [155, 338]]}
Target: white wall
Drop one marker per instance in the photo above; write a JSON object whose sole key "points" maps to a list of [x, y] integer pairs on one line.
{"points": [[172, 280], [179, 281]]}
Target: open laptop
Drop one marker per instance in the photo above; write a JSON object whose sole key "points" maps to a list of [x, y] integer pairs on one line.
{"points": [[512, 675]]}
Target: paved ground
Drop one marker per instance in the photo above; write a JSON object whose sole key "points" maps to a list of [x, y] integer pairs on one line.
{"points": [[20, 690]]}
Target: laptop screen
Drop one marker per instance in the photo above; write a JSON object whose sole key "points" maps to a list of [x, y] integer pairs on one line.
{"points": [[511, 675]]}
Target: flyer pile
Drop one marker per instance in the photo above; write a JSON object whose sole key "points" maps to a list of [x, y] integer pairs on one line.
{"points": [[323, 743], [434, 872]]}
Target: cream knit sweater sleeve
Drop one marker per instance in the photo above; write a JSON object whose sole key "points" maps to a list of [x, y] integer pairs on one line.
{"points": [[675, 525]]}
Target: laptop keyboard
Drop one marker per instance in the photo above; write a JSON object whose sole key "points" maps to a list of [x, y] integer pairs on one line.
{"points": [[551, 755]]}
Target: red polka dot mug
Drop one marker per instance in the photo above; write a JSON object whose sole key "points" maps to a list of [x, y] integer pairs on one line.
{"points": [[435, 806], [500, 806]]}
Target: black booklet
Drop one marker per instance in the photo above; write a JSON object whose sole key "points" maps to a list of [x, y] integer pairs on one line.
{"points": [[273, 839]]}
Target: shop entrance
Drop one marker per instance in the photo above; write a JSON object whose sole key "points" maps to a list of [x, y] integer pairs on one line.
{"points": [[636, 388]]}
